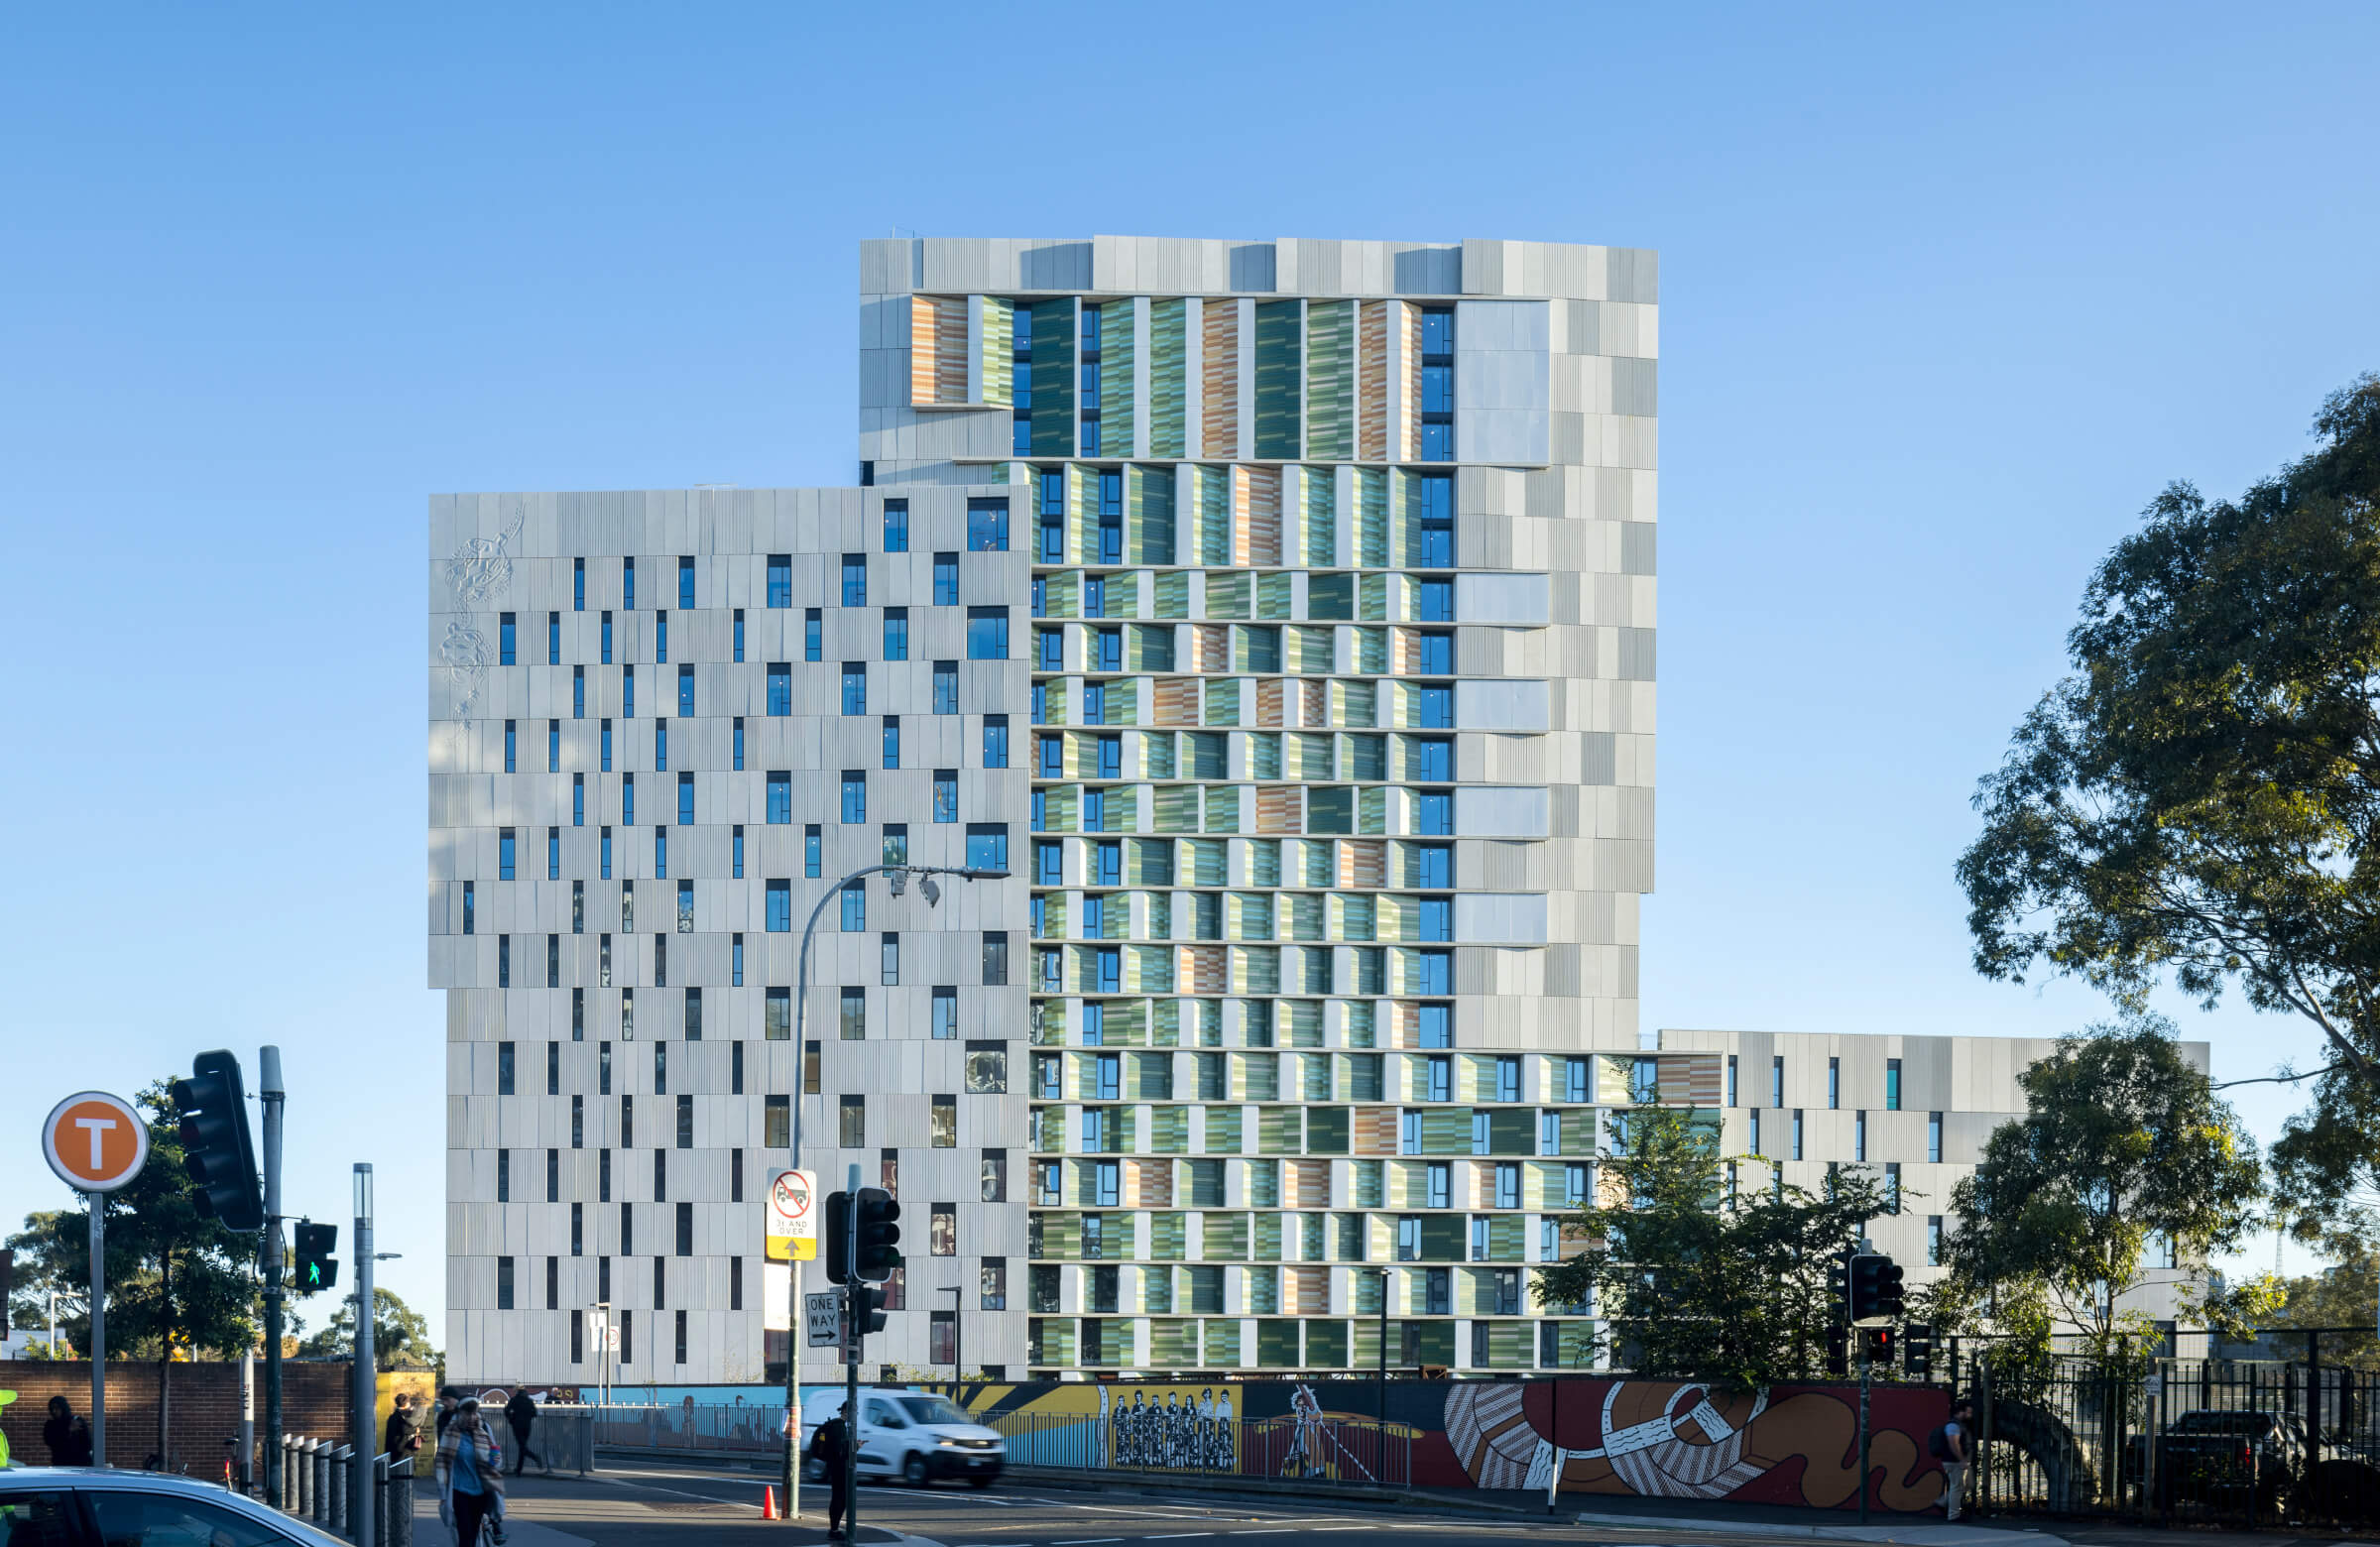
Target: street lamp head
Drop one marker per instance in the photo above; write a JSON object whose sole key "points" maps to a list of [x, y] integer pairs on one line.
{"points": [[901, 881], [932, 893]]}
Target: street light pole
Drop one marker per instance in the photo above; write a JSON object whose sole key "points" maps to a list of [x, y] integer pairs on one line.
{"points": [[790, 1479], [367, 1383], [1379, 1432], [957, 1365]]}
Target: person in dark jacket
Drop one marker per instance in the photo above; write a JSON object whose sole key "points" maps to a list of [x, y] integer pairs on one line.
{"points": [[68, 1437], [522, 1413], [829, 1448], [401, 1439]]}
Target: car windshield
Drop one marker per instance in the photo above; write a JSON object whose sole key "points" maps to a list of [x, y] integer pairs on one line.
{"points": [[934, 1409]]}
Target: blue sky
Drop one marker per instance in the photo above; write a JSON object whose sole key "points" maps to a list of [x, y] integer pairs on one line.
{"points": [[1947, 296]]}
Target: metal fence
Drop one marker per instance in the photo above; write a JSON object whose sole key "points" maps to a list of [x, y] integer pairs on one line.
{"points": [[315, 1486], [2179, 1441]]}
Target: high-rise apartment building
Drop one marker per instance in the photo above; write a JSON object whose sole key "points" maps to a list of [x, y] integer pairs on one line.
{"points": [[1280, 615]]}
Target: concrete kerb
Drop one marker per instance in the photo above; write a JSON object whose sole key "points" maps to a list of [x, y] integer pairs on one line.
{"points": [[1227, 1484], [1933, 1534]]}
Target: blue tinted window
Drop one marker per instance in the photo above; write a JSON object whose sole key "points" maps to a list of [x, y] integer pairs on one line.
{"points": [[891, 741], [781, 688], [780, 797], [510, 737], [855, 687], [810, 846], [685, 583], [987, 634], [896, 526], [855, 579], [628, 584], [811, 631], [661, 637], [553, 746], [855, 912], [996, 740], [739, 634], [780, 918], [553, 639], [946, 688], [946, 579], [855, 795], [780, 579], [988, 846], [988, 525], [504, 854], [506, 631], [946, 794], [685, 693], [897, 634], [685, 800], [578, 586]]}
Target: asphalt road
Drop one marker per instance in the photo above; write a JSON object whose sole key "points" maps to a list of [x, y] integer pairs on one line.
{"points": [[654, 1505]]}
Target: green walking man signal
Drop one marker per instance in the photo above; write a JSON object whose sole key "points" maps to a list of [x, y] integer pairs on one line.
{"points": [[317, 1268]]}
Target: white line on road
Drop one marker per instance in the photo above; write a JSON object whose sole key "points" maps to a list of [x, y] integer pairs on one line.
{"points": [[1175, 1536], [1085, 1541]]}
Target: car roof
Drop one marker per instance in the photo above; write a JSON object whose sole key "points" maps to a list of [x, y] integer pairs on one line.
{"points": [[111, 1477]]}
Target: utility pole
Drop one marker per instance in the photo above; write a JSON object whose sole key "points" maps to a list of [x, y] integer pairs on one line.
{"points": [[1862, 1337], [367, 1383], [268, 1087], [96, 1202], [790, 1479]]}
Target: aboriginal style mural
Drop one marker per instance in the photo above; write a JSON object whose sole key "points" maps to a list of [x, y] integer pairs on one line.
{"points": [[1649, 1439]]}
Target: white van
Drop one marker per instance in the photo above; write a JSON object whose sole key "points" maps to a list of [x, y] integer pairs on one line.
{"points": [[915, 1436]]}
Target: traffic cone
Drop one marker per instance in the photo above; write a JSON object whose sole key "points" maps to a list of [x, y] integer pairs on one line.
{"points": [[769, 1504]]}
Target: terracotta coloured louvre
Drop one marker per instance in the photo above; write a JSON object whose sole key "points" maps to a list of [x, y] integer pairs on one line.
{"points": [[1314, 705], [1177, 701], [1272, 703], [1257, 495], [1218, 381], [1372, 1131], [1309, 1184], [937, 349], [1280, 808], [1362, 863], [1371, 372]]}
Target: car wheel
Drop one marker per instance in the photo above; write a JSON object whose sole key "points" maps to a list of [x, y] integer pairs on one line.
{"points": [[913, 1472]]}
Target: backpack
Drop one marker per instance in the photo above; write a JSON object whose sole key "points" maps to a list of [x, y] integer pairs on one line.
{"points": [[1938, 1444]]}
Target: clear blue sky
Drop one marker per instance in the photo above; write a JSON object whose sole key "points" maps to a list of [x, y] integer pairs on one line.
{"points": [[1947, 296]]}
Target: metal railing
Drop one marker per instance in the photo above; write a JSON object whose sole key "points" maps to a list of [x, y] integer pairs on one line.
{"points": [[2180, 1441], [315, 1487]]}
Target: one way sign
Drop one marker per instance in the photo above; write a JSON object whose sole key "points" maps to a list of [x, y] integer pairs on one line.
{"points": [[824, 1313]]}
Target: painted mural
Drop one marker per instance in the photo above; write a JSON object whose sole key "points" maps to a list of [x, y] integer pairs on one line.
{"points": [[1649, 1439]]}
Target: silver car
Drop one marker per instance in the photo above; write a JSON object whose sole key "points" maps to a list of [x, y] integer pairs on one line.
{"points": [[102, 1507]]}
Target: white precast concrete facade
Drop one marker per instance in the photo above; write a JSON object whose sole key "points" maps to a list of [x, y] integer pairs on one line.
{"points": [[1280, 614]]}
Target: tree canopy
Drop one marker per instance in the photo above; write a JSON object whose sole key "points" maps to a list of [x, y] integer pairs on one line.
{"points": [[2201, 797], [399, 1333], [1700, 1270], [2122, 1140]]}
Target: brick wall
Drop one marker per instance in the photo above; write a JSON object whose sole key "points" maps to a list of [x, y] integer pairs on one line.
{"points": [[206, 1407]]}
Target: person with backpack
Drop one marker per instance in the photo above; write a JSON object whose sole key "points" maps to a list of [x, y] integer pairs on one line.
{"points": [[1953, 1446], [830, 1447]]}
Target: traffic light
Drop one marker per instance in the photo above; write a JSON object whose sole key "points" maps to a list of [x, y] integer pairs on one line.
{"points": [[837, 1225], [1916, 1351], [880, 1234], [867, 1308], [213, 1104], [317, 1268], [1875, 1289], [1881, 1342], [1839, 1357]]}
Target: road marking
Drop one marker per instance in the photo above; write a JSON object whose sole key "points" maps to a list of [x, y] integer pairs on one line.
{"points": [[1175, 1536], [1085, 1541]]}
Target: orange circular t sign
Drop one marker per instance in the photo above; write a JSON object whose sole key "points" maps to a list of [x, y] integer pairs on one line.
{"points": [[95, 1143]]}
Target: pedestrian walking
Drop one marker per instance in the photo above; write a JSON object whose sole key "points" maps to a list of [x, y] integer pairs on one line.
{"points": [[521, 1413], [68, 1437], [444, 1415], [470, 1473], [831, 1446], [1953, 1446], [398, 1437]]}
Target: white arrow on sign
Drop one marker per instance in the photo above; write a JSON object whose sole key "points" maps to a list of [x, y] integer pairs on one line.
{"points": [[824, 1313]]}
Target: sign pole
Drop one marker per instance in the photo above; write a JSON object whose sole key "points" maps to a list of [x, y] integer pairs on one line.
{"points": [[97, 1203], [1862, 1337], [851, 1366], [268, 1091]]}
